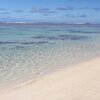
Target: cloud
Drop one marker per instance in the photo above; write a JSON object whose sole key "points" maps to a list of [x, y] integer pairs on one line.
{"points": [[18, 11], [70, 15], [61, 9], [90, 8], [70, 8], [83, 8], [96, 9], [3, 9], [40, 10], [44, 11], [52, 12], [76, 8], [82, 16], [76, 16], [65, 8], [4, 13]]}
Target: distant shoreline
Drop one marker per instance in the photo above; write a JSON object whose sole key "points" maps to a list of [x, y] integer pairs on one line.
{"points": [[47, 23]]}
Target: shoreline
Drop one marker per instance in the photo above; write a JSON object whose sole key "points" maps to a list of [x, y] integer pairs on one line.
{"points": [[79, 82], [21, 83]]}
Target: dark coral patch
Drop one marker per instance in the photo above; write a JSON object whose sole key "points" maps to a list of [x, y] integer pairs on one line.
{"points": [[39, 37], [72, 37], [61, 37], [7, 42], [37, 43], [41, 42], [26, 43], [53, 38], [84, 32]]}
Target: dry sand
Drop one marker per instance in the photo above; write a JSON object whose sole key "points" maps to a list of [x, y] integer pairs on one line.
{"points": [[79, 82]]}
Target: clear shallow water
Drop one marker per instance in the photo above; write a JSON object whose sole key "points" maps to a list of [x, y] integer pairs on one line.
{"points": [[29, 51]]}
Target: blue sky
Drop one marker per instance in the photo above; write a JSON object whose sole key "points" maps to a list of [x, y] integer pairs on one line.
{"points": [[69, 11]]}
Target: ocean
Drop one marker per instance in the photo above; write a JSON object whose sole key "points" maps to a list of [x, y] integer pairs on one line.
{"points": [[29, 51]]}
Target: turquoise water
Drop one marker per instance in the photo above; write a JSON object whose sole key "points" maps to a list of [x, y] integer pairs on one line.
{"points": [[27, 51]]}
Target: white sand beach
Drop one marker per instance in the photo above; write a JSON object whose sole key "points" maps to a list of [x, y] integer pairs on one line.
{"points": [[79, 82]]}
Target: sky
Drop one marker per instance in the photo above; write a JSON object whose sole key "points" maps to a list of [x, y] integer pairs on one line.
{"points": [[67, 11]]}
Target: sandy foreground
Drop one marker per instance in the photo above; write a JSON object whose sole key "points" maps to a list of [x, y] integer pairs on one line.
{"points": [[79, 82]]}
